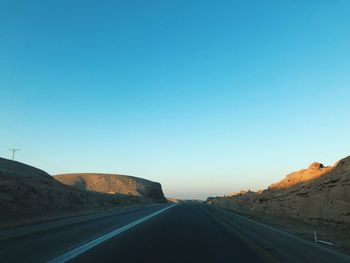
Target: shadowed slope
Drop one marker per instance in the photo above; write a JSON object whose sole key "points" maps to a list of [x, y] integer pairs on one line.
{"points": [[27, 193], [26, 190]]}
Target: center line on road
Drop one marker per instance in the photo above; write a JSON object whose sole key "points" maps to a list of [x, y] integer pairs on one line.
{"points": [[85, 247]]}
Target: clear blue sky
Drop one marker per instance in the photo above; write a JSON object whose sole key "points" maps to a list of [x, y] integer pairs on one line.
{"points": [[206, 97]]}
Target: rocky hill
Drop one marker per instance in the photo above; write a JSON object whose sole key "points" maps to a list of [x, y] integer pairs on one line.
{"points": [[315, 194], [114, 184], [27, 193]]}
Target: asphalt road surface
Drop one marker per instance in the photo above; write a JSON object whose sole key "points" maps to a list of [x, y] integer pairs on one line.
{"points": [[163, 233]]}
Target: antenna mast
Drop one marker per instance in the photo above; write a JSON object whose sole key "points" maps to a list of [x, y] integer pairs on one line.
{"points": [[14, 150]]}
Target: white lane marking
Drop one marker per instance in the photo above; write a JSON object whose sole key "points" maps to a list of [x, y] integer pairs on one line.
{"points": [[85, 247]]}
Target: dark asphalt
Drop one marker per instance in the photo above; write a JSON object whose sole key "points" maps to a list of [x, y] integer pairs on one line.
{"points": [[184, 233]]}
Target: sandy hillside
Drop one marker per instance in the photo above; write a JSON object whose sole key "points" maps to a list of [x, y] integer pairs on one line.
{"points": [[315, 194], [114, 184]]}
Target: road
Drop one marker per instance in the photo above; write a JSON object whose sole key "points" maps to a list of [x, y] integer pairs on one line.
{"points": [[163, 233]]}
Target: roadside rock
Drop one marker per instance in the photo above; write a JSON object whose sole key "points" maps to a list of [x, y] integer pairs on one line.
{"points": [[114, 184], [316, 165], [27, 192], [315, 194]]}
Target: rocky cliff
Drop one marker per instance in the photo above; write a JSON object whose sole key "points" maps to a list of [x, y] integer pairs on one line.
{"points": [[27, 193], [317, 193], [114, 184]]}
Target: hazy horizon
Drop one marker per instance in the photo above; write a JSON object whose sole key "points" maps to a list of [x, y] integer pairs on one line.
{"points": [[205, 98]]}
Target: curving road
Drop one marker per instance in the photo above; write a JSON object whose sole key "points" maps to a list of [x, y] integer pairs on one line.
{"points": [[163, 233]]}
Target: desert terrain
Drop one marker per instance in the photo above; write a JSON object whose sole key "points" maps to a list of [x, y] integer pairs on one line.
{"points": [[313, 199], [114, 184], [28, 194], [92, 216]]}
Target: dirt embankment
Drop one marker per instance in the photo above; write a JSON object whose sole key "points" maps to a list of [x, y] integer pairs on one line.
{"points": [[114, 184], [27, 193], [318, 196]]}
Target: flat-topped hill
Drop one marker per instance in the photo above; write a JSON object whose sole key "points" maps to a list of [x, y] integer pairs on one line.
{"points": [[28, 193], [114, 184], [26, 190]]}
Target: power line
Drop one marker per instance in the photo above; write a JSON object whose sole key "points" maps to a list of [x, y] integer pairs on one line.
{"points": [[14, 150]]}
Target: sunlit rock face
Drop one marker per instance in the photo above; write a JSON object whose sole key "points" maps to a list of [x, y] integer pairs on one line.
{"points": [[114, 184], [315, 193], [316, 165], [27, 192]]}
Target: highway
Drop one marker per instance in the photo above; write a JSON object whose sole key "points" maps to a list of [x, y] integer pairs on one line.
{"points": [[162, 233]]}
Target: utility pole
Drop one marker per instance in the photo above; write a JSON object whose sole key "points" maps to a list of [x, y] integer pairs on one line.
{"points": [[14, 150]]}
